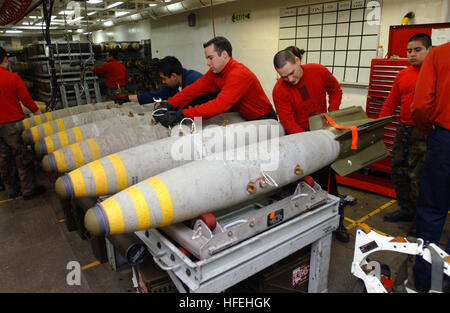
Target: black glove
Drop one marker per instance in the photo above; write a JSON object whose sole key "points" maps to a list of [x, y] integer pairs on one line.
{"points": [[170, 118], [164, 105], [121, 98]]}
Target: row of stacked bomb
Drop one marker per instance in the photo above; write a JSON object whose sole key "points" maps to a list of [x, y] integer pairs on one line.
{"points": [[122, 153]]}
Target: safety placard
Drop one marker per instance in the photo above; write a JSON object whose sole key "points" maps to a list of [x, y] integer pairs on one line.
{"points": [[300, 274]]}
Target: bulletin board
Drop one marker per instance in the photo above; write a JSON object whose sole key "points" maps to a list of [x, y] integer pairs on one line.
{"points": [[342, 35]]}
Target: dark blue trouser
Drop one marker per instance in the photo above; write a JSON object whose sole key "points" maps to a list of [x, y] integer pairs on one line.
{"points": [[434, 198]]}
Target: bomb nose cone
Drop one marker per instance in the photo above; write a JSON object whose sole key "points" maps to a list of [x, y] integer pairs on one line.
{"points": [[46, 164], [40, 148], [96, 222], [26, 136], [63, 187]]}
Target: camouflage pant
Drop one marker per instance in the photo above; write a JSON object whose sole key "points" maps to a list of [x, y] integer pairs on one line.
{"points": [[408, 155], [16, 161]]}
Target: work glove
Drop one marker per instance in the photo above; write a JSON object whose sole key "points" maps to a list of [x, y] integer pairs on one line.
{"points": [[121, 99], [170, 118], [163, 105]]}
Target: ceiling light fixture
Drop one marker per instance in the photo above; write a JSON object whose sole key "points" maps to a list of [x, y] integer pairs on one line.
{"points": [[121, 13], [66, 12], [114, 5]]}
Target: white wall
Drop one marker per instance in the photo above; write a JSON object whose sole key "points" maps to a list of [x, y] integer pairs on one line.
{"points": [[256, 41]]}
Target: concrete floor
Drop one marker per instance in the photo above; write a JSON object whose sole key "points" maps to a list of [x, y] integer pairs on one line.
{"points": [[37, 246]]}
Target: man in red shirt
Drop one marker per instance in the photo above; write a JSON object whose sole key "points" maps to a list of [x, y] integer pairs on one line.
{"points": [[431, 112], [115, 73], [300, 93], [16, 162], [409, 148], [238, 88]]}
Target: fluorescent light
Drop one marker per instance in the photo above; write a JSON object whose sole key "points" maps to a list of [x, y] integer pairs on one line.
{"points": [[92, 13], [12, 31], [108, 23], [94, 1], [80, 30], [77, 19], [31, 16], [152, 5], [136, 17], [121, 13], [115, 4], [66, 12], [33, 27]]}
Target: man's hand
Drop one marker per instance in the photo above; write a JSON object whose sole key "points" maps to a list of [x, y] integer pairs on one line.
{"points": [[37, 112], [170, 118], [91, 68], [133, 98], [121, 98]]}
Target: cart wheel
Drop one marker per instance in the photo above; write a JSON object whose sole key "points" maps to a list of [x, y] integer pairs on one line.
{"points": [[309, 180], [359, 287], [209, 219]]}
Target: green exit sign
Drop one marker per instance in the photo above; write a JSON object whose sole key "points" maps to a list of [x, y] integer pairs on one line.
{"points": [[240, 17]]}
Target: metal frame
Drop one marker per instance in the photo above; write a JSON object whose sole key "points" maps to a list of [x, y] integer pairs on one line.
{"points": [[368, 241], [241, 261]]}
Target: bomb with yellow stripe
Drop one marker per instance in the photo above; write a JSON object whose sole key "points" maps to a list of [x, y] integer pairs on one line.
{"points": [[78, 154], [216, 182], [99, 128], [50, 116], [38, 132], [135, 164], [226, 180]]}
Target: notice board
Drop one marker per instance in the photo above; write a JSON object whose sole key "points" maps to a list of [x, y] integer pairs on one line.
{"points": [[341, 35]]}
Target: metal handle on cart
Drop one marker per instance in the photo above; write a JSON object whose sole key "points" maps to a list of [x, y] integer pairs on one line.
{"points": [[164, 267]]}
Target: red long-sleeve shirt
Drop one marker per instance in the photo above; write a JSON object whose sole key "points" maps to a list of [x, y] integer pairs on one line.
{"points": [[402, 93], [13, 90], [238, 87], [295, 103], [115, 73], [431, 103]]}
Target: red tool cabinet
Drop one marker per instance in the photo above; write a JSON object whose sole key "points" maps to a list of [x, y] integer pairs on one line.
{"points": [[382, 75]]}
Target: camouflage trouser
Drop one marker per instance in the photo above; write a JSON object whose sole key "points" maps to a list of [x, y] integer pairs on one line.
{"points": [[16, 161], [408, 155]]}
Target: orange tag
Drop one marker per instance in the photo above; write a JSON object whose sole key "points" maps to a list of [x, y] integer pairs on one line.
{"points": [[353, 128]]}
